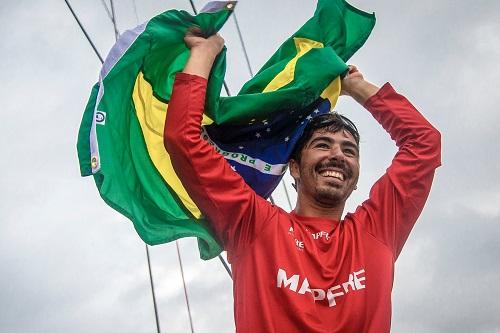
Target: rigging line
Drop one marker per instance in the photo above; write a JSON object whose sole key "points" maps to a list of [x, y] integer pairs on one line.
{"points": [[107, 9], [84, 31], [147, 251], [226, 266], [135, 11], [117, 34], [184, 284], [155, 306], [153, 290], [226, 88], [242, 44], [111, 16], [193, 6], [247, 58], [157, 320], [287, 195]]}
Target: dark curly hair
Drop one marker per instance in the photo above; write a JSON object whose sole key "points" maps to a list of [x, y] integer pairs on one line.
{"points": [[331, 122]]}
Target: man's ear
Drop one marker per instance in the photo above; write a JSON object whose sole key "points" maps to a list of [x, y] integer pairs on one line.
{"points": [[294, 169]]}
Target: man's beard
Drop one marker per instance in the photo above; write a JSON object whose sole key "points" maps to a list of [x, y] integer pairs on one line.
{"points": [[329, 196], [332, 195]]}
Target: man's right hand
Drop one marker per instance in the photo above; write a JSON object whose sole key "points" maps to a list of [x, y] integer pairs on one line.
{"points": [[203, 52], [211, 46]]}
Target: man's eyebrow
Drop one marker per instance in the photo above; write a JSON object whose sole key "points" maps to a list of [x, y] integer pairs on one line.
{"points": [[350, 144], [330, 140], [321, 138]]}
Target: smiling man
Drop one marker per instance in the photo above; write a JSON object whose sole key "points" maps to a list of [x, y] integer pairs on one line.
{"points": [[325, 164], [308, 270]]}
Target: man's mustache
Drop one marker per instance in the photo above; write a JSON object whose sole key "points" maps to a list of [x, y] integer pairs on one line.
{"points": [[336, 164]]}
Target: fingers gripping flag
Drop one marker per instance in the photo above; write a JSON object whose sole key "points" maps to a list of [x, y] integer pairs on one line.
{"points": [[120, 141]]}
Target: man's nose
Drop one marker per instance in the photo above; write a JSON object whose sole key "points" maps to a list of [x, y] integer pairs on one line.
{"points": [[336, 153], [335, 150]]}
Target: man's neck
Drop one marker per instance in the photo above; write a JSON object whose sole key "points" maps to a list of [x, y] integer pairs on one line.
{"points": [[311, 208]]}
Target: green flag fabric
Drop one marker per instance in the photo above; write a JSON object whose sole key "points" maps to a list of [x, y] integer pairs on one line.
{"points": [[120, 141]]}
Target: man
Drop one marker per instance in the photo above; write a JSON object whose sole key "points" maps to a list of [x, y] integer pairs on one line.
{"points": [[308, 270]]}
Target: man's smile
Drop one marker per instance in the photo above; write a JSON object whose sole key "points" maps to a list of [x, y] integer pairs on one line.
{"points": [[332, 173], [334, 169]]}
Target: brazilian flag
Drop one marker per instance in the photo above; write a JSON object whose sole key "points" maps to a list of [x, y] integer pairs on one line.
{"points": [[120, 142]]}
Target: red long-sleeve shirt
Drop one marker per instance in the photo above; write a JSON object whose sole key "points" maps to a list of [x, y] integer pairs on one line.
{"points": [[305, 274]]}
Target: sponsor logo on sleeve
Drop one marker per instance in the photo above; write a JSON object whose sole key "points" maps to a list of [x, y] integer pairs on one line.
{"points": [[100, 117]]}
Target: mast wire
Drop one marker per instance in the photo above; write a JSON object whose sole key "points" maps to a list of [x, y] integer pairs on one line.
{"points": [[117, 33], [84, 31], [184, 284], [151, 281], [243, 44], [249, 66], [135, 11], [153, 290], [102, 62], [107, 9], [226, 266]]}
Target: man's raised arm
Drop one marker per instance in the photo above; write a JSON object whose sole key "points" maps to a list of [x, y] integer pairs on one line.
{"points": [[235, 212], [203, 53], [398, 197]]}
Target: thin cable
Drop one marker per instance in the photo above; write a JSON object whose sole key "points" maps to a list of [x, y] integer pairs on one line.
{"points": [[193, 6], [135, 11], [147, 251], [111, 15], [228, 270], [153, 290], [84, 32], [117, 34], [226, 88], [242, 44], [107, 9], [184, 284], [287, 196]]}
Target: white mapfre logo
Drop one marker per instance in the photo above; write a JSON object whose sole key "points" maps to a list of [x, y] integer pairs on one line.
{"points": [[354, 282]]}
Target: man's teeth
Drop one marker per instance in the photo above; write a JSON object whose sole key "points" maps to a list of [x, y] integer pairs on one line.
{"points": [[334, 174]]}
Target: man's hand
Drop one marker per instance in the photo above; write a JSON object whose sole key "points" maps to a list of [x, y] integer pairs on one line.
{"points": [[203, 52], [210, 46], [355, 85]]}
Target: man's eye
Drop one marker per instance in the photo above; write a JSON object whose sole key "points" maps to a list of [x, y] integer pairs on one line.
{"points": [[322, 146], [350, 152]]}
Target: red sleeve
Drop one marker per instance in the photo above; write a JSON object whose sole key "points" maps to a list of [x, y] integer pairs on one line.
{"points": [[234, 210], [398, 197]]}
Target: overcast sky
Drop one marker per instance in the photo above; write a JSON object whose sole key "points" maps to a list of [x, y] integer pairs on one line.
{"points": [[69, 263]]}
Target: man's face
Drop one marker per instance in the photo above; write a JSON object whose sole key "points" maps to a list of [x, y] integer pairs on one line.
{"points": [[328, 170]]}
